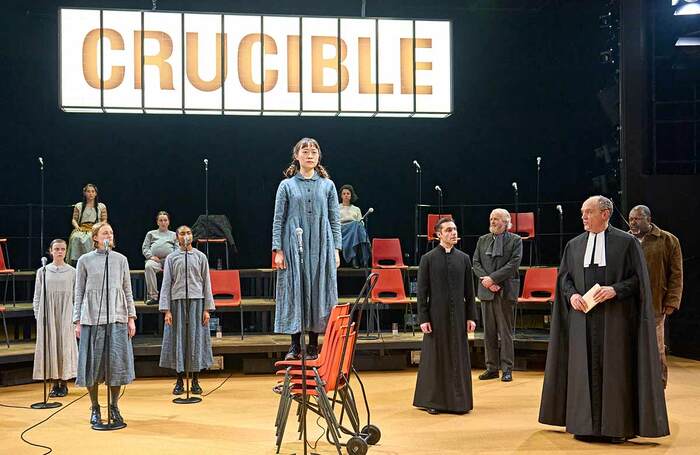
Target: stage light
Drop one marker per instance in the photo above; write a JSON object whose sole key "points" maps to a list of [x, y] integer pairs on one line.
{"points": [[685, 7]]}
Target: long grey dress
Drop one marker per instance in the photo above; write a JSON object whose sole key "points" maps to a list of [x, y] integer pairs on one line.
{"points": [[311, 204], [173, 354], [61, 348]]}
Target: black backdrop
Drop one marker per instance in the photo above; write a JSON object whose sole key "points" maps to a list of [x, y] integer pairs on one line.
{"points": [[525, 84]]}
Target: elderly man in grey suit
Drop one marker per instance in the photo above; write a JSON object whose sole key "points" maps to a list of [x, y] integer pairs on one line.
{"points": [[496, 261]]}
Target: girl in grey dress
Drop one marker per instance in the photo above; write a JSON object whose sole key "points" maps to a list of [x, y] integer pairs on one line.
{"points": [[90, 319], [306, 199], [85, 215], [157, 245], [186, 293], [61, 354]]}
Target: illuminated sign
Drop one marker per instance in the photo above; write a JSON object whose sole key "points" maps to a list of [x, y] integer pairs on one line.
{"points": [[202, 63]]}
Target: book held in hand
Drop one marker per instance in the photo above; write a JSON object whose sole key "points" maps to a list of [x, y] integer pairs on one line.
{"points": [[588, 297]]}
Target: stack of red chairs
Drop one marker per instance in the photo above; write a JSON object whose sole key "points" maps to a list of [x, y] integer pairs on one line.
{"points": [[326, 375], [387, 262]]}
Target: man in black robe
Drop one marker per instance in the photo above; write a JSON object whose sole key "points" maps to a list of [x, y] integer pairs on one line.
{"points": [[446, 312], [602, 379]]}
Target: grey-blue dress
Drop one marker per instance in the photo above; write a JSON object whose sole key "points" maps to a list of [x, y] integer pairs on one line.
{"points": [[311, 204]]}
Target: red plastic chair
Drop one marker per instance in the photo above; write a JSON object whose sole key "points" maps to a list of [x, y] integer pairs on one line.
{"points": [[387, 254], [389, 290], [539, 288], [432, 220], [4, 326], [6, 271], [524, 222], [228, 283]]}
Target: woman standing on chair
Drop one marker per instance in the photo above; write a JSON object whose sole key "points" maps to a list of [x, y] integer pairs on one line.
{"points": [[306, 199], [90, 319], [61, 349], [186, 289], [85, 215]]}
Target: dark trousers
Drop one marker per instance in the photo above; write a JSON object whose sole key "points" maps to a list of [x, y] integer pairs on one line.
{"points": [[498, 323]]}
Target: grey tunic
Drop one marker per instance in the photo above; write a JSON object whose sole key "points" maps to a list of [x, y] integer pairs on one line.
{"points": [[198, 279], [198, 354], [89, 289], [311, 204], [158, 243], [61, 349]]}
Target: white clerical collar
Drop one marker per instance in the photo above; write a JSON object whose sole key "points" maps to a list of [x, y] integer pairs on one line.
{"points": [[599, 254]]}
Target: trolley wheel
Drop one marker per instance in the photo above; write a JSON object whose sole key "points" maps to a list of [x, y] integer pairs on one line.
{"points": [[356, 446], [373, 434]]}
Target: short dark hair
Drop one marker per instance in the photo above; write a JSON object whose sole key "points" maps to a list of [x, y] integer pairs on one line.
{"points": [[440, 222], [162, 212]]}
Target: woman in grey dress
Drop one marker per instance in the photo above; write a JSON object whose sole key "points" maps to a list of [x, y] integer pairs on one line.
{"points": [[157, 245], [61, 355], [90, 319], [306, 199], [186, 292], [85, 215]]}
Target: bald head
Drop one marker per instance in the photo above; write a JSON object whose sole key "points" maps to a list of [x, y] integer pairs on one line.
{"points": [[595, 213]]}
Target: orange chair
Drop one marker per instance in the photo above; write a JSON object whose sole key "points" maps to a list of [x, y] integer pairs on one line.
{"points": [[227, 283], [387, 254], [539, 288], [389, 290], [432, 221], [6, 271], [4, 326], [523, 224]]}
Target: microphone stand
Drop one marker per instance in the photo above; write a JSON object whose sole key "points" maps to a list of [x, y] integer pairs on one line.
{"points": [[303, 343], [188, 399], [44, 404], [206, 204], [440, 202], [109, 425], [561, 234], [515, 196], [41, 235], [537, 211], [419, 201]]}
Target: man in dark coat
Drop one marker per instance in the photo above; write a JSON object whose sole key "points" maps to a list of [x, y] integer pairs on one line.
{"points": [[446, 312], [496, 262], [602, 380]]}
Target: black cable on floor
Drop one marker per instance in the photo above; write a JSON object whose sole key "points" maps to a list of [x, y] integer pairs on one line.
{"points": [[39, 423], [12, 406], [218, 386]]}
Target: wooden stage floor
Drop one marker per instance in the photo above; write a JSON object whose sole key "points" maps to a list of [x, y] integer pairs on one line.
{"points": [[238, 418]]}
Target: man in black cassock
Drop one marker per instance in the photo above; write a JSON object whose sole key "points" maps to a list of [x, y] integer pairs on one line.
{"points": [[602, 379], [446, 312]]}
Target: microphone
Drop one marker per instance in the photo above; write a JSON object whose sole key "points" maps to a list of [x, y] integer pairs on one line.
{"points": [[43, 261], [188, 239], [559, 209], [437, 188], [415, 163], [105, 242], [515, 186], [206, 164], [41, 161], [300, 238], [539, 160], [369, 211]]}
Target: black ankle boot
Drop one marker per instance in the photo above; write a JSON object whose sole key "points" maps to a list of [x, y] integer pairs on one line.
{"points": [[179, 387], [62, 388], [312, 352], [196, 389], [115, 415], [55, 390], [294, 352], [95, 415]]}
